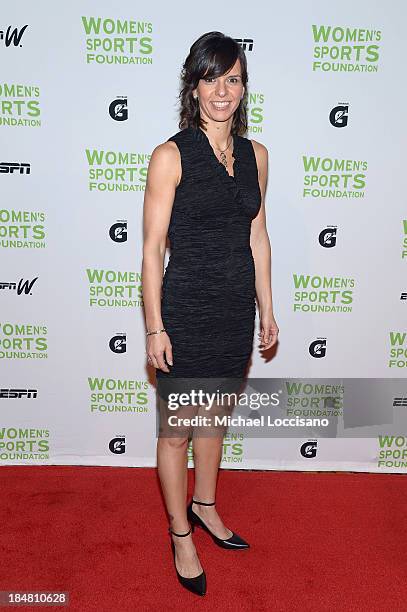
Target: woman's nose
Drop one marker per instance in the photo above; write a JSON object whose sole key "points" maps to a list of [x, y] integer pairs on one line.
{"points": [[220, 89]]}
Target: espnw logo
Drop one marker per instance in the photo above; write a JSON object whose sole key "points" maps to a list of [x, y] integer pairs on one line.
{"points": [[118, 109], [12, 167], [403, 296], [327, 237], [18, 393], [118, 231], [117, 344], [12, 37], [317, 348], [117, 445], [22, 287], [245, 43], [400, 401], [338, 117], [309, 449]]}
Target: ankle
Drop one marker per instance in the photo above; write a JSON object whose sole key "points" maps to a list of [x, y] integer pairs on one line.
{"points": [[202, 502], [204, 511], [182, 543], [179, 530]]}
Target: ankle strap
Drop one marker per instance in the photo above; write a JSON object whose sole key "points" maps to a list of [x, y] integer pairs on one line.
{"points": [[202, 503], [179, 535]]}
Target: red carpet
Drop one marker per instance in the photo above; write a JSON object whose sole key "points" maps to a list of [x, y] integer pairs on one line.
{"points": [[320, 541]]}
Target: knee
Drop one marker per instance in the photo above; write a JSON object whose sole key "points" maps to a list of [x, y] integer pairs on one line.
{"points": [[174, 443]]}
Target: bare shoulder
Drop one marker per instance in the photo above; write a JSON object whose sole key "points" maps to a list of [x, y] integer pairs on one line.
{"points": [[166, 152], [259, 149], [166, 159], [261, 154]]}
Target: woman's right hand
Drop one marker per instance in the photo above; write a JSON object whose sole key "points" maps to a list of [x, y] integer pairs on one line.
{"points": [[157, 346]]}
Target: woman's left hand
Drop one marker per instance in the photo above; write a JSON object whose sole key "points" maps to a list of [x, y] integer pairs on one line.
{"points": [[268, 331]]}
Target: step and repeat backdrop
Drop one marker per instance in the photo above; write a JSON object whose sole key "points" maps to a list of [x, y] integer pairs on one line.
{"points": [[87, 90]]}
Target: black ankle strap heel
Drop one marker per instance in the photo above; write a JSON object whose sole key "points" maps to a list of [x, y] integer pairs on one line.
{"points": [[196, 584], [202, 503], [235, 542], [179, 535]]}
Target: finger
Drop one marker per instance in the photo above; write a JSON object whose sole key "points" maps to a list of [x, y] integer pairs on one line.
{"points": [[154, 362], [263, 338], [161, 363], [273, 339], [168, 354], [270, 339]]}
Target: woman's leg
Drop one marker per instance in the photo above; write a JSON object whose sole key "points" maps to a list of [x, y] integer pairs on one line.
{"points": [[172, 470], [172, 466], [207, 456]]}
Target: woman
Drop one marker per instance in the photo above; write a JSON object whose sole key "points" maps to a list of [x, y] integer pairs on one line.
{"points": [[205, 190]]}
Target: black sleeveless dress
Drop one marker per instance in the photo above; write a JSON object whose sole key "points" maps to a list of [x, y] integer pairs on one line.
{"points": [[208, 292]]}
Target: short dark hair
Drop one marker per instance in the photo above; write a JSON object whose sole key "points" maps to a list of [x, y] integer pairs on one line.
{"points": [[212, 54]]}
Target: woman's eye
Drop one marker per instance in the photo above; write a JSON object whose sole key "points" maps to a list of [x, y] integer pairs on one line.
{"points": [[211, 79]]}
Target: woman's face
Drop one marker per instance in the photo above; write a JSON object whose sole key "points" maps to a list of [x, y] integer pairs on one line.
{"points": [[220, 96]]}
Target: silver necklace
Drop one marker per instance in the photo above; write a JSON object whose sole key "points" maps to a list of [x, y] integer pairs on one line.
{"points": [[222, 156]]}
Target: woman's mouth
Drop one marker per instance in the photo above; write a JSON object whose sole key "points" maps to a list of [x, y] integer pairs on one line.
{"points": [[220, 105]]}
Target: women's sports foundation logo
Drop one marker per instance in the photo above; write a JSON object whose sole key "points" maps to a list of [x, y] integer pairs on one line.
{"points": [[117, 41]]}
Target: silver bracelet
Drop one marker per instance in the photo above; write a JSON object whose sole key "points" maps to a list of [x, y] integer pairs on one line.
{"points": [[155, 332]]}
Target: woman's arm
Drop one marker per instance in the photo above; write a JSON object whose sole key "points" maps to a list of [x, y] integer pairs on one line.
{"points": [[163, 175], [261, 249]]}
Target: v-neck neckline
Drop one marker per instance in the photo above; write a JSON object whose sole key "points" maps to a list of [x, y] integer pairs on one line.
{"points": [[205, 139]]}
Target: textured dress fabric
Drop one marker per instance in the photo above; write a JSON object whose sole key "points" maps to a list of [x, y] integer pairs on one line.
{"points": [[208, 292]]}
